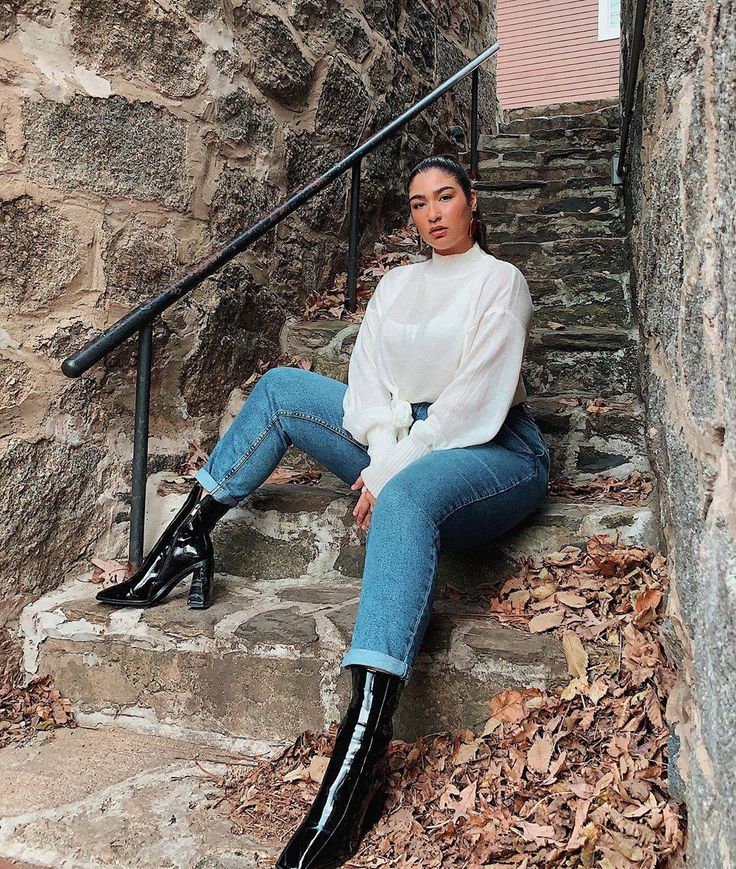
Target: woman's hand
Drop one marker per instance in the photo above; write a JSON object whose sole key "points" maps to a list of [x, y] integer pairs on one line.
{"points": [[364, 506]]}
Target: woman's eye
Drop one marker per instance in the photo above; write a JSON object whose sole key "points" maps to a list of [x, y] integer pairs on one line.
{"points": [[444, 196]]}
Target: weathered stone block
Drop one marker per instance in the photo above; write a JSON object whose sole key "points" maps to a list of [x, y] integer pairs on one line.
{"points": [[36, 10], [326, 22], [39, 254], [280, 67], [109, 146], [15, 384], [450, 60], [383, 16], [240, 200], [49, 504], [237, 323], [418, 37], [244, 120], [306, 158], [141, 39], [342, 106], [140, 261]]}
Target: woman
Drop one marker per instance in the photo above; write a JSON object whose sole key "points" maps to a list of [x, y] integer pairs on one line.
{"points": [[433, 429]]}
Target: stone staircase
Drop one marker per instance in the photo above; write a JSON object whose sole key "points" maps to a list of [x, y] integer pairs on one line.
{"points": [[263, 663]]}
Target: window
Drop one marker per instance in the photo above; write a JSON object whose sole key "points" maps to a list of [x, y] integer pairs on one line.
{"points": [[609, 19]]}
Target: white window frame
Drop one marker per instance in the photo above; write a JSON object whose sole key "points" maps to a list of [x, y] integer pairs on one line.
{"points": [[605, 31]]}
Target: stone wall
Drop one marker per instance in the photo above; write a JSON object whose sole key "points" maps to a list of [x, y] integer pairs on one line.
{"points": [[682, 195], [136, 136]]}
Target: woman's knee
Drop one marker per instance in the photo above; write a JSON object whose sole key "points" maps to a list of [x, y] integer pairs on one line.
{"points": [[275, 377], [282, 383], [399, 500]]}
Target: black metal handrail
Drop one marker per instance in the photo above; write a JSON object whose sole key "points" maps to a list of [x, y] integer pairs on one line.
{"points": [[141, 319], [632, 77]]}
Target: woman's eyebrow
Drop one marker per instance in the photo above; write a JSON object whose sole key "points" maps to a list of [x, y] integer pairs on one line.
{"points": [[438, 190]]}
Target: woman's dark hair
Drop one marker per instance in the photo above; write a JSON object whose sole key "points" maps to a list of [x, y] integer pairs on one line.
{"points": [[448, 163]]}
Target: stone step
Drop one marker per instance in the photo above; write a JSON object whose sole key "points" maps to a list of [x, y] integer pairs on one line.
{"points": [[590, 299], [90, 799], [542, 260], [499, 170], [546, 141], [564, 157], [580, 107], [562, 226], [584, 360], [583, 445], [534, 195], [609, 117], [263, 663], [587, 299], [333, 340]]}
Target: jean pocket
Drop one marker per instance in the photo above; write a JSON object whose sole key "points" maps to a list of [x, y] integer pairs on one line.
{"points": [[524, 433]]}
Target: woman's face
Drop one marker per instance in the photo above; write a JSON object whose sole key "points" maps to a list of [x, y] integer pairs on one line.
{"points": [[440, 211]]}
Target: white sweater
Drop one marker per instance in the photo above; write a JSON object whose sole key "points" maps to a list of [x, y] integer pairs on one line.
{"points": [[452, 330]]}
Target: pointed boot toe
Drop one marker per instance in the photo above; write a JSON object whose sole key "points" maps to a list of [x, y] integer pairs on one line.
{"points": [[122, 594]]}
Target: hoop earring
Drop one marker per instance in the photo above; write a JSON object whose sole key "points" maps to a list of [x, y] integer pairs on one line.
{"points": [[473, 227]]}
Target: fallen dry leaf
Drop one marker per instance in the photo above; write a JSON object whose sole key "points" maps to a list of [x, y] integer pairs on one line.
{"points": [[577, 657], [546, 621]]}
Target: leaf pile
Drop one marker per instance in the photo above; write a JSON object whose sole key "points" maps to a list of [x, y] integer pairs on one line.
{"points": [[572, 776], [598, 591], [632, 491], [26, 710]]}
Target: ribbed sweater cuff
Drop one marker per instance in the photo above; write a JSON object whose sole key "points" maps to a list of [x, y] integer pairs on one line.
{"points": [[407, 450], [381, 439]]}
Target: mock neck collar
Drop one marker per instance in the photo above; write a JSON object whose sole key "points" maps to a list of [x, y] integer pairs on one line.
{"points": [[453, 264]]}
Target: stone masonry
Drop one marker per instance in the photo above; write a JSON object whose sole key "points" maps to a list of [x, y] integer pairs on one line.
{"points": [[681, 194], [290, 558], [263, 663], [135, 137]]}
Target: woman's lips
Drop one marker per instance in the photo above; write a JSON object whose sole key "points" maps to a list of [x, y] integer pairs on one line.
{"points": [[438, 231]]}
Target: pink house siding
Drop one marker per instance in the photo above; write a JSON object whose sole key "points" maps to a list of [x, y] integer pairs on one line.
{"points": [[550, 53]]}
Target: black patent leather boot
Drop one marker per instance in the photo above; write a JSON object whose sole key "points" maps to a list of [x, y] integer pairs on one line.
{"points": [[184, 548], [345, 805]]}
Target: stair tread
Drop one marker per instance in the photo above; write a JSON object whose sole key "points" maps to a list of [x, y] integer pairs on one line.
{"points": [[620, 335], [575, 107], [114, 785], [484, 184], [281, 642], [289, 562]]}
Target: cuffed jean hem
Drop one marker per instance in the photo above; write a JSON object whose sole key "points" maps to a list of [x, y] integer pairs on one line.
{"points": [[216, 490], [377, 660]]}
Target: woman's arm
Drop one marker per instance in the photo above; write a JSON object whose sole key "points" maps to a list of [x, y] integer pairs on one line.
{"points": [[367, 402]]}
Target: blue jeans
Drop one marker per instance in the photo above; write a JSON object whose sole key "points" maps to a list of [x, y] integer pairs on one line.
{"points": [[447, 500]]}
